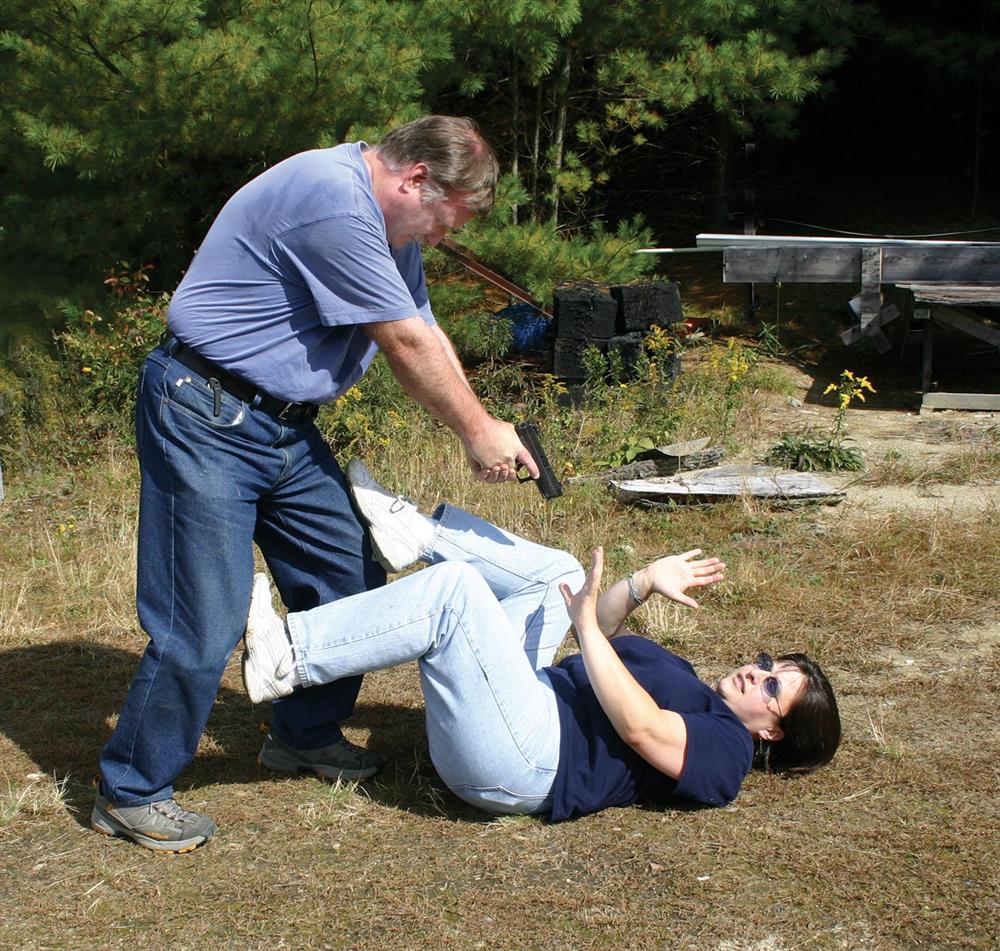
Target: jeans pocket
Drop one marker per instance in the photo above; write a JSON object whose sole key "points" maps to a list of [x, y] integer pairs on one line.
{"points": [[195, 397]]}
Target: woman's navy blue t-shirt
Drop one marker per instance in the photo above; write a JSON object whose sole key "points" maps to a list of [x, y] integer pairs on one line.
{"points": [[598, 769]]}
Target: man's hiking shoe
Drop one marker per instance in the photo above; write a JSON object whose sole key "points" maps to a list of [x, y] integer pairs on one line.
{"points": [[399, 533], [340, 760], [161, 826]]}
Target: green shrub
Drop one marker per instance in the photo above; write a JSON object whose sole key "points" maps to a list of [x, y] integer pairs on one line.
{"points": [[102, 355], [466, 315], [368, 416], [539, 257], [807, 453], [38, 414]]}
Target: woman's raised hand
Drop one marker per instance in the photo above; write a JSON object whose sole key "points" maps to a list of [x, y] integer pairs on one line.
{"points": [[582, 606], [673, 575]]}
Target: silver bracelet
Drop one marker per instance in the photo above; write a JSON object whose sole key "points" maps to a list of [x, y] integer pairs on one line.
{"points": [[633, 594]]}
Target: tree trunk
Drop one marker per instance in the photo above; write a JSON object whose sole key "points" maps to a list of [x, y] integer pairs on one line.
{"points": [[515, 121], [977, 149], [561, 97], [720, 197], [536, 150]]}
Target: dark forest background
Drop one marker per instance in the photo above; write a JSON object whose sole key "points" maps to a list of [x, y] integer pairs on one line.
{"points": [[125, 124]]}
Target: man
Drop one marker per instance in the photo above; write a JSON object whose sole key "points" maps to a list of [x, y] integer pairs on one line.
{"points": [[307, 271]]}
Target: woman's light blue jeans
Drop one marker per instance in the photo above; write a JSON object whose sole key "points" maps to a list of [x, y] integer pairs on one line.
{"points": [[482, 621]]}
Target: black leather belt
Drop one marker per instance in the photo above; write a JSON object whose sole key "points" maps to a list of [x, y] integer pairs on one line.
{"points": [[247, 392]]}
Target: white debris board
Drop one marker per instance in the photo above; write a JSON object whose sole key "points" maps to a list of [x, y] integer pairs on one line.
{"points": [[728, 482]]}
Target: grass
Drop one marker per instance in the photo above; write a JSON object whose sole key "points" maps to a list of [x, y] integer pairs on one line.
{"points": [[975, 463], [893, 846]]}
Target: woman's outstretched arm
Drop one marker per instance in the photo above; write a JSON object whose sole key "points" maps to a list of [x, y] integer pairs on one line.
{"points": [[670, 577]]}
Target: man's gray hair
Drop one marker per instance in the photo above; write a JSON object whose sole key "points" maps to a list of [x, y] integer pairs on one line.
{"points": [[457, 157]]}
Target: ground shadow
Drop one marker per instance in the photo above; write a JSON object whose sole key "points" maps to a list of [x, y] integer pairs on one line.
{"points": [[60, 699]]}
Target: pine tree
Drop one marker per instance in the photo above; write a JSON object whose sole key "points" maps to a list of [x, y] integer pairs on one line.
{"points": [[586, 80], [125, 123]]}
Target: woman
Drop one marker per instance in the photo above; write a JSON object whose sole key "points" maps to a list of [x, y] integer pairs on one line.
{"points": [[623, 721]]}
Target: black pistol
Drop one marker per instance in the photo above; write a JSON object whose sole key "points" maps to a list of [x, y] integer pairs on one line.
{"points": [[548, 484]]}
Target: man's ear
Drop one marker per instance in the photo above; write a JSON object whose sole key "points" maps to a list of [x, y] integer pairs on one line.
{"points": [[772, 735], [415, 176]]}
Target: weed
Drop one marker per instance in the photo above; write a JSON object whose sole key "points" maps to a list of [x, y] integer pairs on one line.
{"points": [[731, 367], [768, 338], [806, 452], [42, 795], [891, 749]]}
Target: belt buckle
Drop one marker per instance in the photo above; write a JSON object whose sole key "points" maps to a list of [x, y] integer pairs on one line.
{"points": [[284, 411]]}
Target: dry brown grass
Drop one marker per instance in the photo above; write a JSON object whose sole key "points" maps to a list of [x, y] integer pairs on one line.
{"points": [[894, 846]]}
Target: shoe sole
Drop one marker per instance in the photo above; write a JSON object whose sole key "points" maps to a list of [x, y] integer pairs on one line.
{"points": [[380, 557], [253, 694], [107, 826], [280, 762]]}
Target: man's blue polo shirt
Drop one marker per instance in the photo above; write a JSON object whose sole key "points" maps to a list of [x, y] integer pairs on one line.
{"points": [[598, 769], [295, 263]]}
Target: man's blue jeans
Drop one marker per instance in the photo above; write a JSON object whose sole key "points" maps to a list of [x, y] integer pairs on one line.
{"points": [[211, 486]]}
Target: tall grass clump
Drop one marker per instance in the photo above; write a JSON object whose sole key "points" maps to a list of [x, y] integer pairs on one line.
{"points": [[713, 396]]}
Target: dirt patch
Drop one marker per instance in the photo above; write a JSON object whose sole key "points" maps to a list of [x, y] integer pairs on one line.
{"points": [[934, 462]]}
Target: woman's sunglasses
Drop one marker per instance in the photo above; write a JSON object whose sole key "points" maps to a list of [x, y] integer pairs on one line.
{"points": [[770, 686]]}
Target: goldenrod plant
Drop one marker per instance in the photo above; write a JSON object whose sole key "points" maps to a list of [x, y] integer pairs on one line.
{"points": [[806, 452]]}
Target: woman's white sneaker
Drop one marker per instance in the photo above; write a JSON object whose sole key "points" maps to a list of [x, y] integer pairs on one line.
{"points": [[399, 533], [268, 661]]}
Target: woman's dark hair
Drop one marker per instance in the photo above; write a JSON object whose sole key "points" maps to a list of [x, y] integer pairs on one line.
{"points": [[811, 728]]}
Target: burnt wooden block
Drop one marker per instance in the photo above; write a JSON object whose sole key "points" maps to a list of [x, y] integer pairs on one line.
{"points": [[630, 348], [670, 369], [584, 313], [640, 306], [567, 357]]}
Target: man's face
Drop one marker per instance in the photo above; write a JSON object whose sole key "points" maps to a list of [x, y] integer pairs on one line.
{"points": [[411, 218], [745, 694]]}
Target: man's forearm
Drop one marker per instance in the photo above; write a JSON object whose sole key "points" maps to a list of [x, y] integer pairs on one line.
{"points": [[449, 349], [430, 373]]}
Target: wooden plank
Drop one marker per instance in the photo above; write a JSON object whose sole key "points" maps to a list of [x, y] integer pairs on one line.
{"points": [[468, 260], [818, 265], [985, 402], [709, 241], [983, 295], [967, 324], [928, 358], [653, 466], [954, 265], [729, 482], [885, 316], [842, 264], [881, 342], [871, 285]]}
